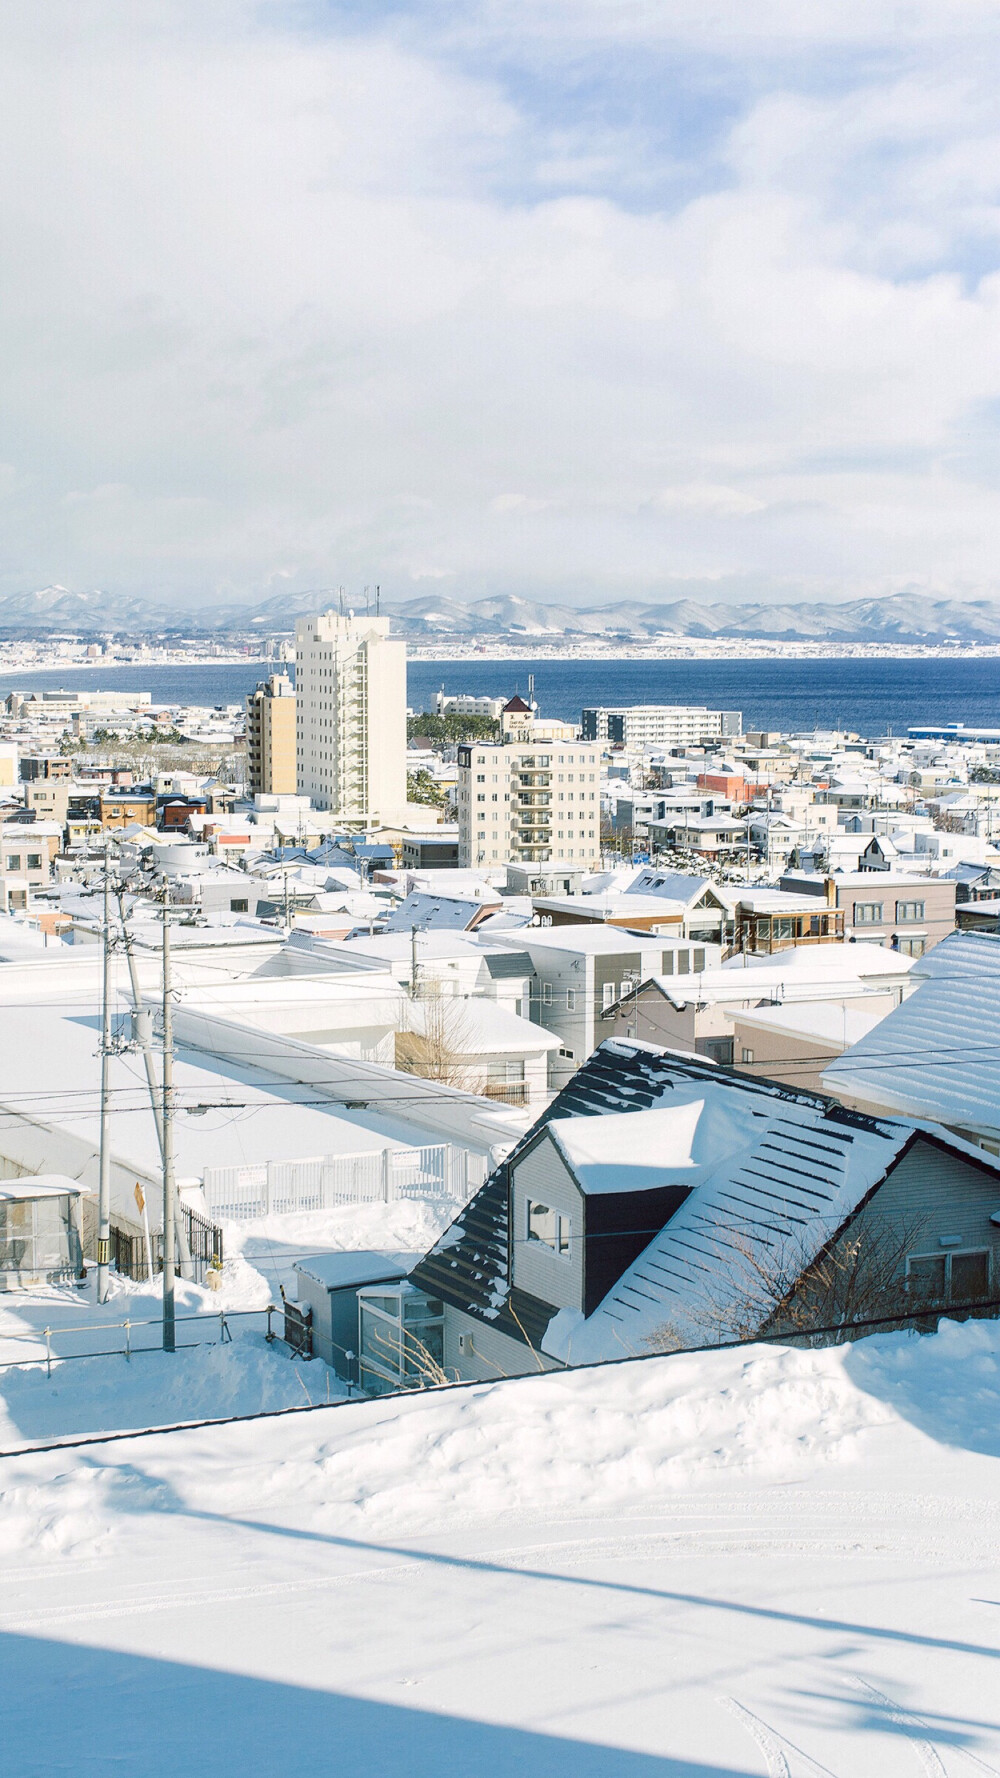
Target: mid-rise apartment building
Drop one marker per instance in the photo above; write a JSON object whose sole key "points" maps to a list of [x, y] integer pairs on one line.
{"points": [[350, 681], [659, 725], [531, 797], [271, 737]]}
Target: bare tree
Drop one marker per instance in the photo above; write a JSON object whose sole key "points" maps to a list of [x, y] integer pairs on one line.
{"points": [[434, 1041], [859, 1275]]}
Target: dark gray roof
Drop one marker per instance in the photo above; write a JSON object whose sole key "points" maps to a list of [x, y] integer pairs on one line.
{"points": [[502, 965], [469, 1266]]}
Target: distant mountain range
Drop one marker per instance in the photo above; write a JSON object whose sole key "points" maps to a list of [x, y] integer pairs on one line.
{"points": [[902, 617]]}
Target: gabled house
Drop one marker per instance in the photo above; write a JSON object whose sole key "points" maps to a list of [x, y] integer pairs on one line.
{"points": [[639, 1206]]}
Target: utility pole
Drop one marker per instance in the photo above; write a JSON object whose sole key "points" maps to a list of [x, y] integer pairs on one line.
{"points": [[287, 921], [413, 963], [143, 1021], [104, 1185], [169, 1180]]}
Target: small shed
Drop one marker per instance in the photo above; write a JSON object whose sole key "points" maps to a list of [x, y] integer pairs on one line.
{"points": [[329, 1284], [40, 1230]]}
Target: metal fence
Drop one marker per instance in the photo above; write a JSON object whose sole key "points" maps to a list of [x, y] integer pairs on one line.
{"points": [[378, 1176], [128, 1246]]}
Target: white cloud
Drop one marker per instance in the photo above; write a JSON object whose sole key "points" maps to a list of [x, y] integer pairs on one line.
{"points": [[309, 309]]}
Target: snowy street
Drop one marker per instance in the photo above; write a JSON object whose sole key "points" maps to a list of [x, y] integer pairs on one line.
{"points": [[772, 1562]]}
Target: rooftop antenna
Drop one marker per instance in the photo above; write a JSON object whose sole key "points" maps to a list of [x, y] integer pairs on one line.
{"points": [[340, 594], [368, 602], [378, 595]]}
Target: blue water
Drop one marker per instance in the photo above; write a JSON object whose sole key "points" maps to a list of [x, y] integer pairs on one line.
{"points": [[871, 696]]}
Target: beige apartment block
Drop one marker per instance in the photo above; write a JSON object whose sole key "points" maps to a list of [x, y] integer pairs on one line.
{"points": [[271, 737], [351, 717], [530, 798]]}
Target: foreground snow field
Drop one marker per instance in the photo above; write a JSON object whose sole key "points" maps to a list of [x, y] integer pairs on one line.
{"points": [[768, 1562]]}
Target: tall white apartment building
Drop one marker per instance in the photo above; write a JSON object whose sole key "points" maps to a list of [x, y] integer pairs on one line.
{"points": [[350, 741], [530, 798], [659, 725]]}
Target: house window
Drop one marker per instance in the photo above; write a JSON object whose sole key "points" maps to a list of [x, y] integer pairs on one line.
{"points": [[34, 861], [549, 1227], [546, 993], [239, 907], [748, 1055], [13, 861], [505, 1081], [867, 913], [909, 910], [699, 961], [607, 995], [912, 947], [570, 999], [949, 1277]]}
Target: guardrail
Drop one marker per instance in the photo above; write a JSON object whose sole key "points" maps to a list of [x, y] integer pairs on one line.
{"points": [[45, 1338]]}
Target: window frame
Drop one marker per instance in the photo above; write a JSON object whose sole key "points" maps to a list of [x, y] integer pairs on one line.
{"points": [[560, 1245], [946, 1256], [869, 913]]}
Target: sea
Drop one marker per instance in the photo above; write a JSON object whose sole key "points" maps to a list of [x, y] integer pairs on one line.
{"points": [[871, 695]]}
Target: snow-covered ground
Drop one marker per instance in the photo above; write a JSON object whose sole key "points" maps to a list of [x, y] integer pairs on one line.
{"points": [[241, 1376], [766, 1562]]}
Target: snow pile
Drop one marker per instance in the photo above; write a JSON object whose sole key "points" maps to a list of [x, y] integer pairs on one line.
{"points": [[706, 1566]]}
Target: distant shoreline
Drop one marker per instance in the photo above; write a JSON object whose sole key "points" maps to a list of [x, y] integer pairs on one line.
{"points": [[713, 651]]}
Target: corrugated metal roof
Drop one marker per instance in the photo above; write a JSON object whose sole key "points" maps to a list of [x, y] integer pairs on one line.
{"points": [[937, 1055]]}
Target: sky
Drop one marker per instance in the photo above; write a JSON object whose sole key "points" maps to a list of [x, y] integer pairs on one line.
{"points": [[572, 299]]}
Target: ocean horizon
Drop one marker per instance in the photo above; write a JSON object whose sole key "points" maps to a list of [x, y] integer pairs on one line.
{"points": [[871, 695]]}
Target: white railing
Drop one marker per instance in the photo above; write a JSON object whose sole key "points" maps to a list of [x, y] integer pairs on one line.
{"points": [[380, 1176]]}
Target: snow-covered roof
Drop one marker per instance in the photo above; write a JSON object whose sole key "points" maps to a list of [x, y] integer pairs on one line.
{"points": [[448, 913], [675, 1144], [351, 1270], [42, 1185], [781, 1173], [780, 1168], [673, 885], [821, 1021], [614, 906], [800, 973], [480, 1026], [938, 1054]]}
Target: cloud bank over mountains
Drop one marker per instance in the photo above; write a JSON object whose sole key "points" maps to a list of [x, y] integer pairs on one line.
{"points": [[554, 298]]}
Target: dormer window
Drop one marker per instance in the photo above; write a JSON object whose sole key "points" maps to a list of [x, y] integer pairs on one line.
{"points": [[549, 1227]]}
